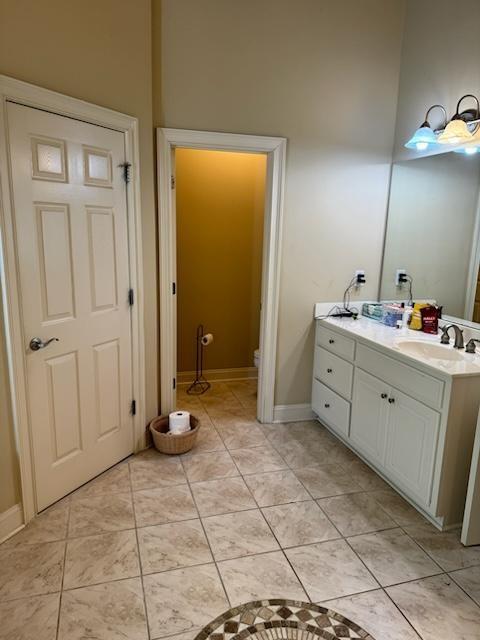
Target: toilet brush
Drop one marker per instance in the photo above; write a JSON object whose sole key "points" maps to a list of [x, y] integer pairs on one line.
{"points": [[200, 384]]}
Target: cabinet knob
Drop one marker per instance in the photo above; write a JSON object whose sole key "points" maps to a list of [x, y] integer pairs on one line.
{"points": [[391, 400], [331, 341], [327, 406], [384, 395], [329, 370]]}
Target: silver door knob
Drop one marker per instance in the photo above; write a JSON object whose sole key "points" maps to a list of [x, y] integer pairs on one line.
{"points": [[37, 343]]}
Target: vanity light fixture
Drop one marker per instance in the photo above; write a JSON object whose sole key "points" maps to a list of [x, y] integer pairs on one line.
{"points": [[424, 137], [463, 125]]}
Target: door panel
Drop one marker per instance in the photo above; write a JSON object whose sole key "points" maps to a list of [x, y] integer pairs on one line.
{"points": [[71, 231], [369, 416]]}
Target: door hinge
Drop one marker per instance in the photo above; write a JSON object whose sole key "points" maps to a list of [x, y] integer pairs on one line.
{"points": [[172, 182], [133, 407], [174, 288], [131, 297], [174, 383], [126, 171]]}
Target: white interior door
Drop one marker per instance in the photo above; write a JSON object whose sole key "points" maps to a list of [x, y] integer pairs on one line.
{"points": [[70, 217]]}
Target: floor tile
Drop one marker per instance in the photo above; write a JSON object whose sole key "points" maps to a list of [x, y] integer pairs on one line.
{"points": [[239, 534], [356, 513], [215, 497], [30, 570], [48, 526], [238, 435], [115, 480], [101, 558], [208, 439], [209, 466], [101, 513], [110, 611], [166, 504], [399, 509], [257, 459], [148, 474], [376, 613], [326, 480], [188, 635], [366, 477], [30, 618], [173, 546], [469, 581], [182, 600], [445, 547], [438, 608], [260, 577], [276, 487], [299, 523], [393, 557], [330, 570], [296, 454]]}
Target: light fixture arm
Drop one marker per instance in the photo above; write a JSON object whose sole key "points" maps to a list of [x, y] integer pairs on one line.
{"points": [[436, 106], [474, 113]]}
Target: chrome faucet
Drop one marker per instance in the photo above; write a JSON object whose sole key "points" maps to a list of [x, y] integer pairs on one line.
{"points": [[445, 339]]}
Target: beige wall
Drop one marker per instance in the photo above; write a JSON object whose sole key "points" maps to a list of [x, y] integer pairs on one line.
{"points": [[325, 76], [220, 202], [100, 52]]}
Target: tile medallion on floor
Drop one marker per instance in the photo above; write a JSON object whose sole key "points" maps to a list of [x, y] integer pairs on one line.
{"points": [[445, 547], [356, 513], [209, 466], [268, 575], [115, 480], [398, 508], [173, 546], [469, 581], [299, 523], [148, 474], [376, 613], [393, 557], [166, 504], [330, 570], [29, 570], [215, 497], [101, 558], [110, 611], [326, 480], [48, 526], [276, 487], [97, 514], [437, 608], [257, 459], [234, 535], [30, 618], [182, 600]]}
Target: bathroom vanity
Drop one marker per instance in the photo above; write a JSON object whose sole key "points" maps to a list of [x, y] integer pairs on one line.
{"points": [[405, 404]]}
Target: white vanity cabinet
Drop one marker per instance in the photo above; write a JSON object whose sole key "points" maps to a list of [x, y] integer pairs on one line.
{"points": [[414, 427]]}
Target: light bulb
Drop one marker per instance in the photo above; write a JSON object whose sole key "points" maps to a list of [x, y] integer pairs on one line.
{"points": [[470, 151], [421, 146]]}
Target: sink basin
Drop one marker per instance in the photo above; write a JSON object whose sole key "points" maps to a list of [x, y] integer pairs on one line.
{"points": [[429, 350]]}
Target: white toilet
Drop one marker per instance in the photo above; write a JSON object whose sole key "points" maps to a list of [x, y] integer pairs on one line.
{"points": [[256, 358]]}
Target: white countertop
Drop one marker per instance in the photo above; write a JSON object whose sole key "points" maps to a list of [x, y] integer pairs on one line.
{"points": [[378, 334]]}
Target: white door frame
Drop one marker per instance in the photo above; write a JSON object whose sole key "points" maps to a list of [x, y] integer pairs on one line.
{"points": [[12, 90], [473, 267], [275, 149]]}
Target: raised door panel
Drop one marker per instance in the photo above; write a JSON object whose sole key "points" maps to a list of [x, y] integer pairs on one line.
{"points": [[107, 387], [103, 271], [369, 416], [412, 442]]}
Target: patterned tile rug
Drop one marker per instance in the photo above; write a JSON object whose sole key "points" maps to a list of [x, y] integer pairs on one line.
{"points": [[281, 620]]}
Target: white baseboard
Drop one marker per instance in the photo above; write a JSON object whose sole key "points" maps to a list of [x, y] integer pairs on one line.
{"points": [[292, 412], [238, 373], [11, 521]]}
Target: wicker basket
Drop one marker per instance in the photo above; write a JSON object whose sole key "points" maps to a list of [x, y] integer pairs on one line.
{"points": [[170, 443]]}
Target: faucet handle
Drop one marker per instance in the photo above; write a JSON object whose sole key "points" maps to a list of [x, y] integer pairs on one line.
{"points": [[471, 346]]}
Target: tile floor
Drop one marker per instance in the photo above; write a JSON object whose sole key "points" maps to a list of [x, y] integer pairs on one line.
{"points": [[157, 546]]}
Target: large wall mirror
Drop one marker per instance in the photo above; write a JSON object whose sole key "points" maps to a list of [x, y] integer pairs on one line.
{"points": [[433, 232]]}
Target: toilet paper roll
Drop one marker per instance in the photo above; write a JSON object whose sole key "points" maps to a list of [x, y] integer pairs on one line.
{"points": [[207, 339], [179, 421]]}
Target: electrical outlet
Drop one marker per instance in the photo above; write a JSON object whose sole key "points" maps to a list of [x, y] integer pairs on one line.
{"points": [[360, 277], [398, 277]]}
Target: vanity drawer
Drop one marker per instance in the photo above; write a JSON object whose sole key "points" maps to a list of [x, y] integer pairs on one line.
{"points": [[333, 371], [335, 342], [411, 381], [331, 408]]}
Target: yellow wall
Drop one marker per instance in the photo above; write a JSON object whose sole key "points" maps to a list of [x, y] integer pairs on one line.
{"points": [[99, 52], [220, 202]]}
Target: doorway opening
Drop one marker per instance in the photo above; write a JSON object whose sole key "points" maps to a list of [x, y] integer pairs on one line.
{"points": [[220, 202]]}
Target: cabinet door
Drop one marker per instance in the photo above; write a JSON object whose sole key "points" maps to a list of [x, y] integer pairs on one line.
{"points": [[412, 442], [369, 416]]}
